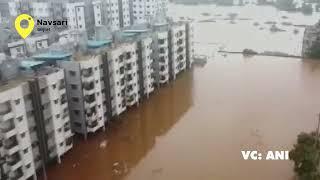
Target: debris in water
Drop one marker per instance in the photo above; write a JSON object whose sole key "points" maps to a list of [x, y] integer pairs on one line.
{"points": [[103, 144]]}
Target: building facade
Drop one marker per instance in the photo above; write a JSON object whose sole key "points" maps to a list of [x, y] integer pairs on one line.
{"points": [[83, 80]]}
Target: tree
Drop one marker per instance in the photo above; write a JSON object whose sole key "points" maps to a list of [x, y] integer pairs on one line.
{"points": [[287, 5], [306, 8], [314, 51], [306, 156]]}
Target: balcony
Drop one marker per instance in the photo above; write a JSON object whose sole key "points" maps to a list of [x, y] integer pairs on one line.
{"points": [[180, 50], [14, 161], [90, 101], [87, 72], [131, 100], [180, 42], [8, 128], [5, 108], [161, 41], [88, 86], [63, 99], [91, 112], [17, 174], [62, 84], [162, 51], [11, 145], [66, 127], [128, 55]]}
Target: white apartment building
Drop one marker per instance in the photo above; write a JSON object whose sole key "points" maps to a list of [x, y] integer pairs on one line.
{"points": [[161, 57], [124, 13], [54, 115], [145, 10], [83, 80], [97, 11], [145, 61], [75, 13], [189, 43], [177, 49], [123, 74], [110, 12], [15, 136], [41, 9]]}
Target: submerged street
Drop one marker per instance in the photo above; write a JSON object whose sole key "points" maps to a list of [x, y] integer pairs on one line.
{"points": [[196, 127]]}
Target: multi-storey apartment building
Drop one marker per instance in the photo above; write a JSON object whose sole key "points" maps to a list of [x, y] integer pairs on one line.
{"points": [[84, 87], [145, 61], [177, 49], [161, 57], [124, 13], [75, 13], [145, 10], [189, 43], [48, 115], [122, 68], [114, 14], [15, 147]]}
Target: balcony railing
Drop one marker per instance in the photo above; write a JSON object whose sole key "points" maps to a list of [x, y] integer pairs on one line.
{"points": [[87, 72], [5, 108], [88, 86], [10, 143], [93, 124], [7, 126], [14, 159], [17, 174]]}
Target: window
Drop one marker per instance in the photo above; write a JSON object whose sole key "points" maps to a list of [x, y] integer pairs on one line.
{"points": [[54, 86], [75, 99], [20, 119], [76, 112], [56, 101], [58, 116], [60, 130], [61, 144], [72, 73], [43, 91], [17, 101], [74, 87], [23, 135], [97, 81], [25, 151], [77, 125]]}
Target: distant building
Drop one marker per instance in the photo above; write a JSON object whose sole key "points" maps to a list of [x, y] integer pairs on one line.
{"points": [[144, 11], [31, 45], [311, 35]]}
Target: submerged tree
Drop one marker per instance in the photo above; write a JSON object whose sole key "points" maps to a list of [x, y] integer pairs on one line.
{"points": [[314, 51], [287, 5], [306, 156]]}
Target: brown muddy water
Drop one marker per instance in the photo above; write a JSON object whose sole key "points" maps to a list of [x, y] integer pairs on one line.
{"points": [[196, 127]]}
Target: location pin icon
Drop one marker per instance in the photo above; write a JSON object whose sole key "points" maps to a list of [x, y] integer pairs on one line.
{"points": [[24, 32]]}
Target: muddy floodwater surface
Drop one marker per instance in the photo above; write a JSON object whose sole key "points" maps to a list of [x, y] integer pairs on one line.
{"points": [[196, 127]]}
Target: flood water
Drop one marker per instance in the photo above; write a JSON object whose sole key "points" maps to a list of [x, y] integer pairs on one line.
{"points": [[196, 127]]}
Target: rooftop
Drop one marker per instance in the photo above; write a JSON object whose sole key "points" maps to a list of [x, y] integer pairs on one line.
{"points": [[53, 56], [97, 44], [28, 64]]}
